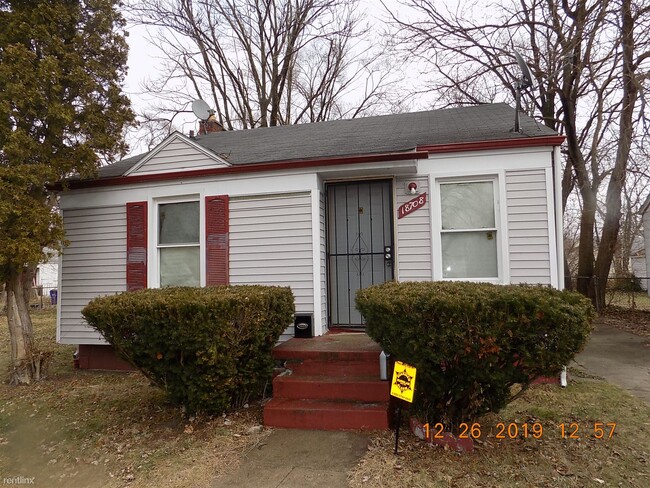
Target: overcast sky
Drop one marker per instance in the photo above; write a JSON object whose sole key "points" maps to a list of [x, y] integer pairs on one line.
{"points": [[143, 61]]}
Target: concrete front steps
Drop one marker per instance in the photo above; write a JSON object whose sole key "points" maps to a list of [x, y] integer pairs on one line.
{"points": [[330, 383]]}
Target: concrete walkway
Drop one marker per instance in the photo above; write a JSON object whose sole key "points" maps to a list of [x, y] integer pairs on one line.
{"points": [[291, 458], [621, 358]]}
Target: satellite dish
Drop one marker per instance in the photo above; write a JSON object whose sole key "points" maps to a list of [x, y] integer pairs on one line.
{"points": [[526, 81], [201, 109]]}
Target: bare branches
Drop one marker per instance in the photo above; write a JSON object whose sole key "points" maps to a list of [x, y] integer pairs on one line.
{"points": [[265, 62], [591, 61]]}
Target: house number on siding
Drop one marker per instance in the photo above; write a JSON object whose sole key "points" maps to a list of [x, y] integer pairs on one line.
{"points": [[411, 206]]}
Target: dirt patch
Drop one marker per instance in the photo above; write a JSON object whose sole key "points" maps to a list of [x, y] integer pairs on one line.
{"points": [[634, 321]]}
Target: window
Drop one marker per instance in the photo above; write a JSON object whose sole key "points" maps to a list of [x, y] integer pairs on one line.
{"points": [[468, 230], [179, 244]]}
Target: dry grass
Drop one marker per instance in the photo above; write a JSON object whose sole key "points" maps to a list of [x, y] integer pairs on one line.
{"points": [[550, 461], [110, 429], [628, 300]]}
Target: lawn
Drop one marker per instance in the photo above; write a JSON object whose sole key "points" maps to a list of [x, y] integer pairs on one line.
{"points": [[113, 429], [550, 461], [95, 429], [630, 300]]}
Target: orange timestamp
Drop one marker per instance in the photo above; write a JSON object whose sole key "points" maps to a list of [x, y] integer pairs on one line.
{"points": [[535, 430]]}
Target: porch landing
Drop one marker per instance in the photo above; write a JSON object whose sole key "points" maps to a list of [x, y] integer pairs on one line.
{"points": [[329, 383]]}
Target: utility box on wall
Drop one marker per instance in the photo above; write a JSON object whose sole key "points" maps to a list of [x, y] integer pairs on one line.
{"points": [[303, 326]]}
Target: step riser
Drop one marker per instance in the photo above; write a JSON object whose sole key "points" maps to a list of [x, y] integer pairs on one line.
{"points": [[325, 420], [326, 356], [343, 368], [368, 391]]}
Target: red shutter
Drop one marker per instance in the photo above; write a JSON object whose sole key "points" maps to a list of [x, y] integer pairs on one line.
{"points": [[217, 241], [136, 245]]}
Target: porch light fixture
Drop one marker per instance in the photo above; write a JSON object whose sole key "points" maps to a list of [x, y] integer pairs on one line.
{"points": [[413, 188]]}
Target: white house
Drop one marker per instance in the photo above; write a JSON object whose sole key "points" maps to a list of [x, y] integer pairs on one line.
{"points": [[639, 261], [326, 208], [47, 273]]}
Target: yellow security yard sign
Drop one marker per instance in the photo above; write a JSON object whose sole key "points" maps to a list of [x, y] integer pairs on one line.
{"points": [[403, 384]]}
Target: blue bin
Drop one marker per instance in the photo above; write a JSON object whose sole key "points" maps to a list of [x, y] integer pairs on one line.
{"points": [[54, 295]]}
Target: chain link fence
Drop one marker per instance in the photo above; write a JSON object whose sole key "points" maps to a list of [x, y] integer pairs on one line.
{"points": [[630, 293]]}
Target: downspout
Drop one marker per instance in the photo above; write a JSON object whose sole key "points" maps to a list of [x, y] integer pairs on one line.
{"points": [[559, 233], [559, 218]]}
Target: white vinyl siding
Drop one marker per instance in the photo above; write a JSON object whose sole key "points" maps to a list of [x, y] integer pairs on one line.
{"points": [[177, 155], [646, 240], [638, 268], [413, 233], [94, 264], [271, 244], [323, 261], [528, 231]]}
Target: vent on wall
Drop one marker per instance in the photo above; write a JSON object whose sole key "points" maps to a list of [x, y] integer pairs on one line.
{"points": [[303, 326]]}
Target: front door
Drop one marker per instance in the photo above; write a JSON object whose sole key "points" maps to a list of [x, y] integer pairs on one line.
{"points": [[359, 244]]}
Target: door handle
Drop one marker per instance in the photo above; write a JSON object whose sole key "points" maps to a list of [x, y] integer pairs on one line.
{"points": [[388, 253]]}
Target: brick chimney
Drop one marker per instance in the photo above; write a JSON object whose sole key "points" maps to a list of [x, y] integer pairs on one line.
{"points": [[209, 126]]}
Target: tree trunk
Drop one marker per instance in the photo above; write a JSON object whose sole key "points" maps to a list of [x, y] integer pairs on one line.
{"points": [[27, 365], [617, 179], [585, 282]]}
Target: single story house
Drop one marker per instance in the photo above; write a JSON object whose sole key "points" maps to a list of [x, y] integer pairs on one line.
{"points": [[326, 208]]}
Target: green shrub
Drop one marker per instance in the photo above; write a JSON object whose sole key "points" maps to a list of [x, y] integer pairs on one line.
{"points": [[209, 348], [471, 342]]}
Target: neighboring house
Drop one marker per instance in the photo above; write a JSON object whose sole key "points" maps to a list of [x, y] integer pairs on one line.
{"points": [[639, 268], [47, 274], [326, 208], [642, 264], [637, 260]]}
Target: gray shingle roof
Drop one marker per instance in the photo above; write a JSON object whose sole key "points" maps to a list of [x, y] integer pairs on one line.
{"points": [[369, 135], [120, 167]]}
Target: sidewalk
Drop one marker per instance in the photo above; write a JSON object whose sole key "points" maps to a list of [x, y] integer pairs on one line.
{"points": [[621, 358], [299, 459]]}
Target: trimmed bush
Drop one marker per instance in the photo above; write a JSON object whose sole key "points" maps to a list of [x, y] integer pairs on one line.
{"points": [[208, 348], [471, 342]]}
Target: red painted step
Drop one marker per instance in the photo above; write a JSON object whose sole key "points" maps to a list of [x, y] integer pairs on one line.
{"points": [[332, 383], [325, 415], [311, 367], [334, 347], [354, 388]]}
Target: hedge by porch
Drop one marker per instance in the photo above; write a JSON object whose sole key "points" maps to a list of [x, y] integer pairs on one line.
{"points": [[471, 342], [208, 348]]}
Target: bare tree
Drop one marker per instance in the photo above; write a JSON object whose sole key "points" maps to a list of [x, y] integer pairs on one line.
{"points": [[265, 62], [634, 194], [591, 63]]}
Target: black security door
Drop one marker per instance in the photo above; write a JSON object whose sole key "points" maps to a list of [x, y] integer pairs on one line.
{"points": [[359, 244]]}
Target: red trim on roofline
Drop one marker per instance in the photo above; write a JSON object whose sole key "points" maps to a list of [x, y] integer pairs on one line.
{"points": [[246, 168], [496, 144], [421, 152]]}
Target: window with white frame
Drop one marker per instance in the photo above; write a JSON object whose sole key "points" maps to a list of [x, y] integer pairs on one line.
{"points": [[178, 244], [468, 230]]}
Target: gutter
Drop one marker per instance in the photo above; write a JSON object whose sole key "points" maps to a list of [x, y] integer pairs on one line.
{"points": [[495, 144], [420, 152], [245, 168]]}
